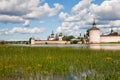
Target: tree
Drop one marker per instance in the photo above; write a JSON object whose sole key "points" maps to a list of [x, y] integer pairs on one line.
{"points": [[87, 33], [114, 34], [68, 38], [74, 42], [30, 40], [2, 42]]}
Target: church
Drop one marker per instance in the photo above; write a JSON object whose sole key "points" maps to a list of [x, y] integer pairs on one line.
{"points": [[96, 37]]}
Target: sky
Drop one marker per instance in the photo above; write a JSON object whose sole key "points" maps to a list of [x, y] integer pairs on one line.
{"points": [[22, 19]]}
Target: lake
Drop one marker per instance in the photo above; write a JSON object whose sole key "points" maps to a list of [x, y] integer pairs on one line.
{"points": [[91, 46]]}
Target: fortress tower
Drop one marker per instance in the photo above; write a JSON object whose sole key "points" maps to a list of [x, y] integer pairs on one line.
{"points": [[94, 34]]}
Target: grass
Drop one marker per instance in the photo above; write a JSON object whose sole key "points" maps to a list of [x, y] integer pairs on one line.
{"points": [[18, 61], [110, 43]]}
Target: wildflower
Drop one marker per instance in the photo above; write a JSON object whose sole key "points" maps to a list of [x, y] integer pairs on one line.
{"points": [[45, 72], [39, 65], [108, 58], [49, 57]]}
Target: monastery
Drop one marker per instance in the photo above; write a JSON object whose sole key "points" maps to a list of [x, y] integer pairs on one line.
{"points": [[95, 37]]}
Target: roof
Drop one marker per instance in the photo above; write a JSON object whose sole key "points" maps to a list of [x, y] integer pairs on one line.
{"points": [[94, 28]]}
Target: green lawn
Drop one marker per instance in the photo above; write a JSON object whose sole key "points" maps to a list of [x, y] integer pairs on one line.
{"points": [[21, 61]]}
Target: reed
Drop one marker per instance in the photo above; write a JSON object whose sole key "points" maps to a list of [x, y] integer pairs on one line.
{"points": [[34, 63]]}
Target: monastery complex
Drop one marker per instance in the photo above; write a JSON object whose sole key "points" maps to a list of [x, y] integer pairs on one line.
{"points": [[94, 37]]}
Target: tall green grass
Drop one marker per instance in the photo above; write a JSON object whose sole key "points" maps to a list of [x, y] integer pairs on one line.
{"points": [[18, 61]]}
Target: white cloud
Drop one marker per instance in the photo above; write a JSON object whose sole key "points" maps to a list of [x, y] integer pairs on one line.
{"points": [[20, 30], [41, 22], [82, 14], [55, 10], [11, 19], [108, 10], [115, 23], [27, 23], [76, 19], [26, 9], [63, 15], [81, 6], [44, 10]]}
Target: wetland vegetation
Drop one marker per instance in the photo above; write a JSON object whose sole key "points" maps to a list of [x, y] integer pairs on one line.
{"points": [[58, 63]]}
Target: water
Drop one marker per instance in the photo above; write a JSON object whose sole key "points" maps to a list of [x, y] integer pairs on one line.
{"points": [[49, 76], [91, 46], [105, 46], [89, 74]]}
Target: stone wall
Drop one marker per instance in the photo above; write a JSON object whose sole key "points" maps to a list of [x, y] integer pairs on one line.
{"points": [[50, 42], [109, 38]]}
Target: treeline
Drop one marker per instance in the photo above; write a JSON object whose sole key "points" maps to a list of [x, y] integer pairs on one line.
{"points": [[14, 42]]}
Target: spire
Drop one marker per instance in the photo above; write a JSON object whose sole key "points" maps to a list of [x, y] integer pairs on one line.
{"points": [[52, 33], [94, 24], [111, 30]]}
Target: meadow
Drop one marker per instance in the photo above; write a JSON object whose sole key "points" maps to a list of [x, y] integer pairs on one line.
{"points": [[58, 63]]}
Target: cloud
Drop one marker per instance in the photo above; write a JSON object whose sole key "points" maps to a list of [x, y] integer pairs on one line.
{"points": [[78, 18], [20, 30], [63, 16], [23, 10], [43, 11], [115, 23], [81, 6], [55, 10], [41, 22], [27, 23], [11, 19], [108, 10], [82, 14]]}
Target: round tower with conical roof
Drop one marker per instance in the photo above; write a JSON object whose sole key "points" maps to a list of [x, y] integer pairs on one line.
{"points": [[94, 34]]}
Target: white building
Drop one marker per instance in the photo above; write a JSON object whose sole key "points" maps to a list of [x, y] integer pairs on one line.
{"points": [[95, 37], [60, 37], [51, 37]]}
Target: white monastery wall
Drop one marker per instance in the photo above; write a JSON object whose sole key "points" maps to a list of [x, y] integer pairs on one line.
{"points": [[109, 38], [50, 42]]}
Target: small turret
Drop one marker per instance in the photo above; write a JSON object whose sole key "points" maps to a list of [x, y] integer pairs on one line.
{"points": [[60, 36], [51, 37], [112, 31], [94, 26], [52, 34]]}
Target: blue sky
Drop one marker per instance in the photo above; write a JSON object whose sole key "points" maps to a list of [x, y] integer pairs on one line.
{"points": [[22, 19]]}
